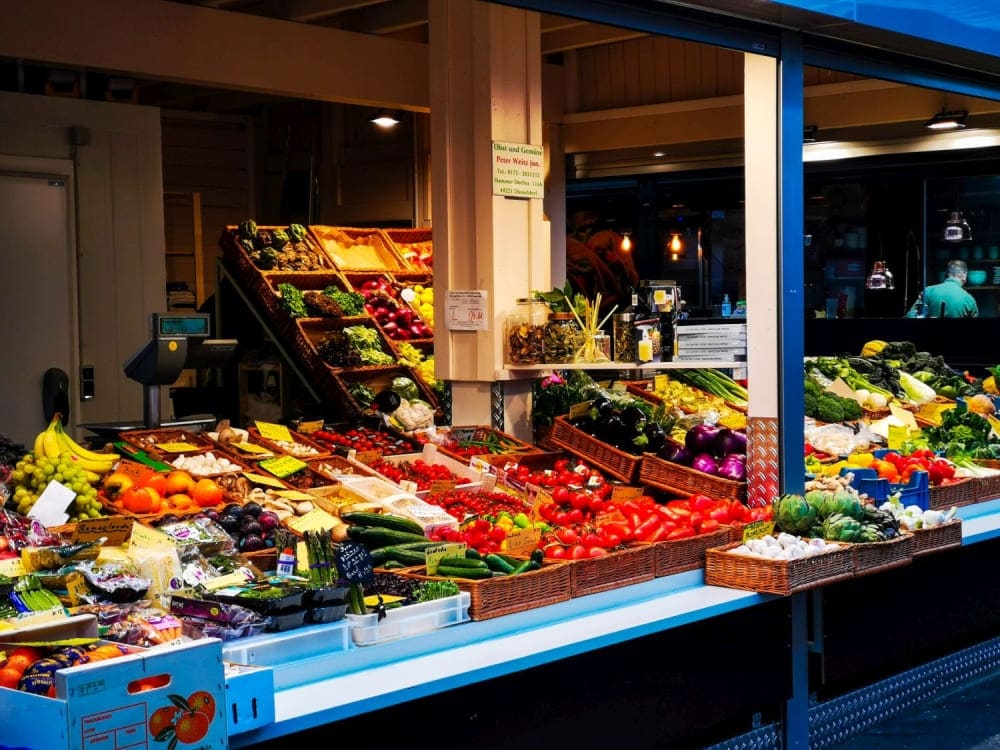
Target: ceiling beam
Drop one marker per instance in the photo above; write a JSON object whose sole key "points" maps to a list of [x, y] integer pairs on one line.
{"points": [[384, 18], [585, 35], [191, 44], [310, 11]]}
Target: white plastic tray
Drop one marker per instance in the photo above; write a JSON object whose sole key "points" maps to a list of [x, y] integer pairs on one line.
{"points": [[366, 630]]}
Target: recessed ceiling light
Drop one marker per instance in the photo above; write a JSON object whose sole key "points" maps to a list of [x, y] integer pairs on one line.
{"points": [[659, 154], [385, 120]]}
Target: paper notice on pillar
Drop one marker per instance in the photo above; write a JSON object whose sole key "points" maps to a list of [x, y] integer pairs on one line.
{"points": [[50, 507], [465, 310], [518, 170]]}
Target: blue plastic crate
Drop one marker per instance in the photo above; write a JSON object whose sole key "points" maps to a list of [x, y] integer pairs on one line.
{"points": [[868, 482]]}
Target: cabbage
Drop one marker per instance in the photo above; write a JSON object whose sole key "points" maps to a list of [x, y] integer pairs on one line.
{"points": [[406, 388], [919, 393]]}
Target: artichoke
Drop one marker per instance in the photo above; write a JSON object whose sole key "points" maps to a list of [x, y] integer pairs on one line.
{"points": [[278, 238], [296, 232]]}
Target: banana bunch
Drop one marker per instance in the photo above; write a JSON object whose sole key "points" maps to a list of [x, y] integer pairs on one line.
{"points": [[53, 441]]}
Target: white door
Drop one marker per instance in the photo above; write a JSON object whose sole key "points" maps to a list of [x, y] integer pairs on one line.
{"points": [[38, 311]]}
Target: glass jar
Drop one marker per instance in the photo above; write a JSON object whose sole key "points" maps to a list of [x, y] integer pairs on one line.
{"points": [[623, 342], [596, 347], [562, 338], [524, 333]]}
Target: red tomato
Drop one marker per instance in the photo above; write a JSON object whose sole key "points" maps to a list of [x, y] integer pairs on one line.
{"points": [[578, 552], [708, 526], [555, 552], [596, 552], [580, 500]]}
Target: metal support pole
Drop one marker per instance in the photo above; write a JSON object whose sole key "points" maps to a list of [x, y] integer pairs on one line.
{"points": [[795, 723]]}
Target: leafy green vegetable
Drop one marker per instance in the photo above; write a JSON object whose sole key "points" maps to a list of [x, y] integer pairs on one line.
{"points": [[363, 337], [963, 432], [430, 590], [351, 303], [840, 367], [361, 393], [405, 388], [292, 300], [376, 357]]}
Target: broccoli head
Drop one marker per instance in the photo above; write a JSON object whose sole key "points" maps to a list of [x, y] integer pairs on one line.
{"points": [[292, 300], [829, 409], [812, 405], [852, 409], [813, 388]]}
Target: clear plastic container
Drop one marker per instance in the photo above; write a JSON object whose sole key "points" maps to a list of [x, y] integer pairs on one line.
{"points": [[524, 333]]}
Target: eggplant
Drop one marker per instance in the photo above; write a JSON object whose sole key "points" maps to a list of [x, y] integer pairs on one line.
{"points": [[701, 439], [655, 435], [632, 416], [729, 441], [705, 463]]}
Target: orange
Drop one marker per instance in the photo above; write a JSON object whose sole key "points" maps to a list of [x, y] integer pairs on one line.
{"points": [[179, 502], [156, 502], [207, 493], [9, 677], [157, 482], [116, 483], [178, 482], [202, 701], [137, 500]]}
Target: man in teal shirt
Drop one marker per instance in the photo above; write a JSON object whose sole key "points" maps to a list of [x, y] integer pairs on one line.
{"points": [[948, 299]]}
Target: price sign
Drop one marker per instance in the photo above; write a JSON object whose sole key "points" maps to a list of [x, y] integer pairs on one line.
{"points": [[433, 555], [315, 520], [542, 498], [271, 431], [251, 448], [177, 447], [441, 485], [462, 434], [618, 387], [898, 434], [145, 538], [264, 480], [294, 494], [76, 588], [757, 529], [522, 541], [50, 507], [354, 562], [615, 516], [282, 466], [12, 567], [578, 410], [465, 310], [135, 471], [660, 382], [367, 457], [116, 529], [308, 428], [620, 493]]}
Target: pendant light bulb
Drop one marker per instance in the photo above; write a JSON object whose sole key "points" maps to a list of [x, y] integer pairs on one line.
{"points": [[626, 244]]}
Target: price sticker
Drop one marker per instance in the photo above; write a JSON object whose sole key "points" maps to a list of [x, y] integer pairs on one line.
{"points": [[294, 494], [433, 555], [315, 520], [115, 529], [308, 428], [76, 588], [522, 541], [265, 480], [135, 471], [618, 387], [542, 498], [12, 567], [252, 448], [578, 410], [757, 530], [621, 492], [354, 562], [282, 466], [462, 434], [441, 485], [178, 447], [272, 431], [615, 516], [660, 383], [145, 538]]}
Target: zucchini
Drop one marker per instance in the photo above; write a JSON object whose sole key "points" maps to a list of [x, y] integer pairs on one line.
{"points": [[393, 565], [473, 554], [382, 521], [406, 557], [526, 567], [499, 565], [374, 537], [463, 562], [471, 573]]}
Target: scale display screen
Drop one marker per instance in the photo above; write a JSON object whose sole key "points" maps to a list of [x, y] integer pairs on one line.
{"points": [[182, 325]]}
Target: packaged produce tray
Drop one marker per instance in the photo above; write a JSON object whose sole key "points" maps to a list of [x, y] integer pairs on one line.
{"points": [[782, 577], [413, 619], [634, 564], [166, 443], [679, 555], [937, 538], [619, 464], [412, 245], [876, 557], [352, 249], [656, 472], [962, 492], [495, 597]]}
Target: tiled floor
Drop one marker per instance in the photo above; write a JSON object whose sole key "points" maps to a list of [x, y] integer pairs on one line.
{"points": [[966, 719]]}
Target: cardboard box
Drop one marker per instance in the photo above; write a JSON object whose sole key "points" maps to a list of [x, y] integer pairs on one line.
{"points": [[99, 706]]}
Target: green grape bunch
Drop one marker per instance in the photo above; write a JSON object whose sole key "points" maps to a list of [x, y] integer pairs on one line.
{"points": [[32, 475]]}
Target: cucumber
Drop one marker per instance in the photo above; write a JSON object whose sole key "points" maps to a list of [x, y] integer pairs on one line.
{"points": [[462, 562], [498, 564], [473, 554], [526, 567], [382, 521], [406, 557], [378, 556], [374, 537], [471, 573], [393, 565]]}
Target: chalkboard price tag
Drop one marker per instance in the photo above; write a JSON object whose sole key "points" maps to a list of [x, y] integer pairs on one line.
{"points": [[354, 563]]}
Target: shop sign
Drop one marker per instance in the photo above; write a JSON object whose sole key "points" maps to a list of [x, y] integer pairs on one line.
{"points": [[466, 310], [518, 170]]}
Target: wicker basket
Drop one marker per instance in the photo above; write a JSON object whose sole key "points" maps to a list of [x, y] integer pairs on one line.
{"points": [[149, 440], [962, 492], [420, 237], [495, 597], [305, 281], [298, 437], [337, 467], [619, 464], [378, 379], [679, 555], [987, 488], [937, 538], [876, 557], [634, 564], [311, 332], [664, 475], [782, 577], [358, 250], [250, 274]]}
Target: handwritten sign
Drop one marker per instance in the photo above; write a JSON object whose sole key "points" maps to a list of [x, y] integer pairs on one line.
{"points": [[309, 427], [282, 466], [898, 434], [294, 494], [522, 540], [518, 170], [578, 410], [315, 520], [660, 383], [354, 562], [433, 555], [12, 567], [137, 472], [76, 588], [50, 507], [757, 530], [252, 448], [116, 529], [620, 493], [264, 480], [542, 498], [367, 457], [145, 538], [177, 447], [441, 485], [466, 310], [272, 431]]}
